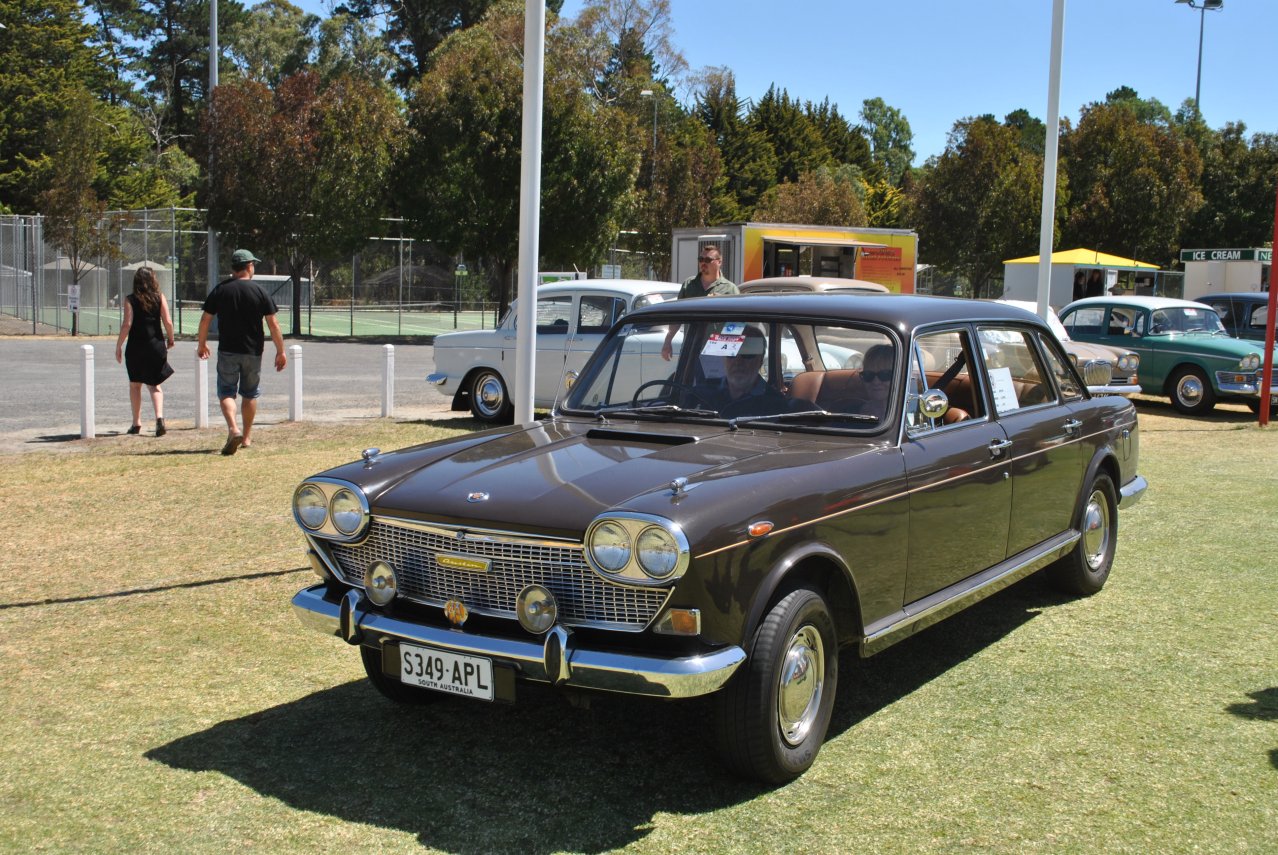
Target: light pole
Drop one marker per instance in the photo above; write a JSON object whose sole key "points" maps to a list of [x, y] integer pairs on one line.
{"points": [[1202, 6], [648, 93]]}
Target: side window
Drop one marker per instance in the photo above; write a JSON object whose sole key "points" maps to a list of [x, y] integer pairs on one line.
{"points": [[1085, 321], [1223, 308], [943, 360], [553, 315], [1065, 379], [1121, 321], [1259, 317], [598, 312], [1016, 376]]}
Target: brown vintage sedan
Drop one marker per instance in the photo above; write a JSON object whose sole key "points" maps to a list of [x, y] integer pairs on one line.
{"points": [[720, 524]]}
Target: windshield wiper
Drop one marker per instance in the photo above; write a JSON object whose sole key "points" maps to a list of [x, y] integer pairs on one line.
{"points": [[804, 414], [657, 409]]}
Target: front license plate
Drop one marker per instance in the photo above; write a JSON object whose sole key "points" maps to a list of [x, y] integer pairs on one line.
{"points": [[469, 676]]}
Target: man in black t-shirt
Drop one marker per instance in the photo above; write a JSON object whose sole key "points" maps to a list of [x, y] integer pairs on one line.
{"points": [[240, 305]]}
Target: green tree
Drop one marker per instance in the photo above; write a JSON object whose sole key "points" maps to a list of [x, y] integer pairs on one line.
{"points": [[687, 177], [891, 140], [823, 197], [274, 39], [300, 171], [1134, 185], [979, 202], [1033, 131], [1238, 191], [794, 138], [459, 178], [48, 59], [846, 142], [74, 211], [749, 164], [885, 205], [349, 46]]}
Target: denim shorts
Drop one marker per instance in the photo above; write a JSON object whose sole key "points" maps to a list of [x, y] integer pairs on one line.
{"points": [[242, 371]]}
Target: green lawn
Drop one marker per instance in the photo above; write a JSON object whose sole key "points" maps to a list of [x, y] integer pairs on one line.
{"points": [[159, 696]]}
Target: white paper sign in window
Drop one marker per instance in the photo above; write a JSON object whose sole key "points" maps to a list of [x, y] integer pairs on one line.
{"points": [[1004, 390]]}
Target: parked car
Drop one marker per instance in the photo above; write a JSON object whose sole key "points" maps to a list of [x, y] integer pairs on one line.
{"points": [[810, 284], [1125, 364], [718, 531], [476, 368], [1243, 315], [1185, 352]]}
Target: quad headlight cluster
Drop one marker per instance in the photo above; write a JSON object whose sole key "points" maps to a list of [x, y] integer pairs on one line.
{"points": [[331, 509], [637, 548], [1250, 362], [1129, 363]]}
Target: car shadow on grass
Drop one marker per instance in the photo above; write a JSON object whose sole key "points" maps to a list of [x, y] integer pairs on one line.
{"points": [[541, 776], [1264, 707]]}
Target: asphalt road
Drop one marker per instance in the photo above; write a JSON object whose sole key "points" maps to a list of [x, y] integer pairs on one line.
{"points": [[40, 388]]}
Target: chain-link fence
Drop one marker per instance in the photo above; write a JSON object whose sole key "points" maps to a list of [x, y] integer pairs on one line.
{"points": [[394, 286]]}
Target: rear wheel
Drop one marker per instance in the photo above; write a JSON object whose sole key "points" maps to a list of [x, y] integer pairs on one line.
{"points": [[388, 686], [1191, 391], [772, 717], [489, 398], [1085, 570]]}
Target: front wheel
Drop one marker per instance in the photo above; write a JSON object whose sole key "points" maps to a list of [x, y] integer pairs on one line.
{"points": [[1191, 392], [489, 398], [772, 717], [1085, 570]]}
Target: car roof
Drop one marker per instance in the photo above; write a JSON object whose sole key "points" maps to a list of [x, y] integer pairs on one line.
{"points": [[1250, 296], [902, 312], [1138, 302], [630, 287], [772, 284]]}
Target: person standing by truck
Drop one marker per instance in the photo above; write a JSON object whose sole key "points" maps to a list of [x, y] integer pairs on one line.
{"points": [[709, 282]]}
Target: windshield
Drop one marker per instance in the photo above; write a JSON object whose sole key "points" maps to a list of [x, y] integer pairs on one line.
{"points": [[1185, 319], [782, 373]]}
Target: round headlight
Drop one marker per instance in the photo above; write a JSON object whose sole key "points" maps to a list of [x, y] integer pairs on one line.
{"points": [[347, 511], [537, 609], [380, 583], [1129, 362], [1250, 362], [610, 546], [310, 506], [657, 551]]}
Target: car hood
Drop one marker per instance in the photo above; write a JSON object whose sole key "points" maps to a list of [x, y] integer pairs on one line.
{"points": [[553, 477]]}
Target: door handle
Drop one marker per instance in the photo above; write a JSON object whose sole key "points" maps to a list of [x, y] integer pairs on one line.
{"points": [[1072, 426], [998, 446]]}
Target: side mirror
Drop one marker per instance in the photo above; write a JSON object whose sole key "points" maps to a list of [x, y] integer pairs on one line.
{"points": [[933, 404]]}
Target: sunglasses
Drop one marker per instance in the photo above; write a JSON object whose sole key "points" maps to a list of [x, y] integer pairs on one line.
{"points": [[706, 259], [882, 376]]}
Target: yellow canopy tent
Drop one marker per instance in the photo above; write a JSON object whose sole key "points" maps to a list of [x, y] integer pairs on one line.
{"points": [[1088, 258]]}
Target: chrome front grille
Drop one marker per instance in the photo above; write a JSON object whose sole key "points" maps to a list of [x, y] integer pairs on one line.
{"points": [[585, 598]]}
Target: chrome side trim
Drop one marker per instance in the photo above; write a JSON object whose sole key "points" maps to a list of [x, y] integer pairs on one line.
{"points": [[1132, 492], [437, 379], [581, 667], [1114, 389], [936, 607]]}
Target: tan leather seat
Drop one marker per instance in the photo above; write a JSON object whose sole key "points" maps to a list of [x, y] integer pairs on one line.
{"points": [[840, 390]]}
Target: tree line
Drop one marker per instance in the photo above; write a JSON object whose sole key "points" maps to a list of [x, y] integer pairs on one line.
{"points": [[320, 127]]}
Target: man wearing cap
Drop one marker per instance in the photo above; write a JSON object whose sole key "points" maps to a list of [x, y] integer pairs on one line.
{"points": [[240, 305]]}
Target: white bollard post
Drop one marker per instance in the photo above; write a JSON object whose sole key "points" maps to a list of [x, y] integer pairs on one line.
{"points": [[88, 425], [201, 392], [295, 391], [388, 382]]}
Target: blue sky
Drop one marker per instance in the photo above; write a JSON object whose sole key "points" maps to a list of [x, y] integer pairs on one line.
{"points": [[941, 60]]}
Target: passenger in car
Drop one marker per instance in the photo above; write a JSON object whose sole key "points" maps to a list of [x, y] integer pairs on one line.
{"points": [[877, 369]]}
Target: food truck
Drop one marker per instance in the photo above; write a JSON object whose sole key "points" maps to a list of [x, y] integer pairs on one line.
{"points": [[757, 250]]}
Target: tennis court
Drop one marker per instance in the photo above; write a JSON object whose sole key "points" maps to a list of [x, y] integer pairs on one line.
{"points": [[408, 319]]}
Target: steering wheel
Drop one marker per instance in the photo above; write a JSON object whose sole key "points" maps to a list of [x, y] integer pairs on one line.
{"points": [[673, 386]]}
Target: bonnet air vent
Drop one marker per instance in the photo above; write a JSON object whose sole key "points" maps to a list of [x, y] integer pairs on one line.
{"points": [[639, 436]]}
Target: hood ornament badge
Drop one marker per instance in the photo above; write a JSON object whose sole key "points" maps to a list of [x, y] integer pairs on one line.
{"points": [[477, 496]]}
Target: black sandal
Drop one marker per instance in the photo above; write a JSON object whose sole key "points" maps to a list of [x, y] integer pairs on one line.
{"points": [[136, 429]]}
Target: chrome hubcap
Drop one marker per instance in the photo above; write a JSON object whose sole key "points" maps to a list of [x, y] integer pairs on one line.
{"points": [[1096, 530], [801, 684], [1189, 390], [488, 394]]}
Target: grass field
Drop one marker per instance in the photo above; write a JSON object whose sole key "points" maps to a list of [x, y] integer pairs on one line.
{"points": [[159, 696], [328, 321]]}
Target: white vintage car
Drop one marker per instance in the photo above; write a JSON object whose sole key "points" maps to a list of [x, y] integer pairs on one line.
{"points": [[477, 368]]}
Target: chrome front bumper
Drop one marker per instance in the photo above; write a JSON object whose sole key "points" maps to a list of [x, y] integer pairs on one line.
{"points": [[1241, 383], [1132, 492], [556, 658]]}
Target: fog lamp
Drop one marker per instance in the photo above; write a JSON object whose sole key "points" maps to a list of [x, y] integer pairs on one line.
{"points": [[537, 609], [380, 583]]}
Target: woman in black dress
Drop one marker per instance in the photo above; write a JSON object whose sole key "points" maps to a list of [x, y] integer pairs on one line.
{"points": [[148, 329]]}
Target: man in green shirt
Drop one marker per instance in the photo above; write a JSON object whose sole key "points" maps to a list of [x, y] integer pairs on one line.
{"points": [[708, 282]]}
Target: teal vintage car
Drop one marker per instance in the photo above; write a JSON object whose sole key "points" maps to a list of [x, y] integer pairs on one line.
{"points": [[1185, 351]]}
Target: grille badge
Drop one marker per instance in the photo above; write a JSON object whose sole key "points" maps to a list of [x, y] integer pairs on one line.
{"points": [[463, 562], [477, 496]]}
